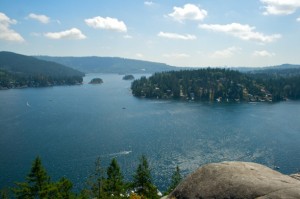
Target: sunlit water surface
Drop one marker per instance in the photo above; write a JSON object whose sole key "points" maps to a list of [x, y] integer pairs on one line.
{"points": [[70, 126]]}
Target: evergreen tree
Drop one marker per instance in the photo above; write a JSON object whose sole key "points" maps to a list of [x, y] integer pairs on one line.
{"points": [[4, 194], [176, 178], [114, 183], [36, 183], [142, 180], [96, 181], [60, 189]]}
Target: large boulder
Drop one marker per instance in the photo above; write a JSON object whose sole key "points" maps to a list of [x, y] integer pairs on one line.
{"points": [[237, 180]]}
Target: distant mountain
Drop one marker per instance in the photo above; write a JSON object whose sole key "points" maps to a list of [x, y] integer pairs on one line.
{"points": [[28, 65], [284, 70], [110, 64], [261, 69], [25, 71]]}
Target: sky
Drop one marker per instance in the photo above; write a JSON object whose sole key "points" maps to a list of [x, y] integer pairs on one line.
{"points": [[176, 32]]}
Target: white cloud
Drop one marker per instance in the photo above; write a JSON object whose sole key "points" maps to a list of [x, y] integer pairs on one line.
{"points": [[244, 32], [263, 53], [188, 12], [106, 23], [226, 53], [176, 55], [280, 7], [176, 36], [73, 33], [148, 3], [41, 18], [5, 32], [298, 19]]}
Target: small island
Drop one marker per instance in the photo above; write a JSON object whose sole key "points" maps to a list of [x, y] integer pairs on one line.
{"points": [[128, 77], [96, 81]]}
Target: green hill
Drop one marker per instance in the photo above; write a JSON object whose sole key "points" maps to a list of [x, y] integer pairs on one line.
{"points": [[109, 64], [25, 71]]}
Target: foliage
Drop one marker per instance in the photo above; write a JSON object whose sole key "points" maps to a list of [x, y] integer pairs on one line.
{"points": [[37, 181], [24, 71], [128, 77], [217, 85], [38, 185], [114, 183], [99, 186], [4, 194], [142, 181], [96, 181], [134, 196], [176, 178], [109, 64], [96, 81]]}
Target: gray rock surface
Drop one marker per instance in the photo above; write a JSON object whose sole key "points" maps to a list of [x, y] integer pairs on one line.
{"points": [[237, 180]]}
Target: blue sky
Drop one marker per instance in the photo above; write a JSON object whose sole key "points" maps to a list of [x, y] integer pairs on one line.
{"points": [[179, 33]]}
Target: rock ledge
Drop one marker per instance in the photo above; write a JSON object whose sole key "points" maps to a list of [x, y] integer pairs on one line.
{"points": [[237, 180]]}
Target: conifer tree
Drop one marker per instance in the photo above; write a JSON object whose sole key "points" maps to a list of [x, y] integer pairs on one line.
{"points": [[36, 183], [96, 181], [114, 183], [142, 180], [176, 178]]}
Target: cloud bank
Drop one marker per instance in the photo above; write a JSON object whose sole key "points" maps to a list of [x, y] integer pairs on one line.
{"points": [[244, 32], [6, 33], [73, 33], [106, 23], [280, 7]]}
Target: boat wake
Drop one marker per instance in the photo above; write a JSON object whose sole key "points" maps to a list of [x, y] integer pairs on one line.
{"points": [[120, 153], [28, 105]]}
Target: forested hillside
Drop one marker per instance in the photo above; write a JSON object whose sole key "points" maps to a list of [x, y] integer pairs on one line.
{"points": [[221, 85], [25, 71], [109, 64]]}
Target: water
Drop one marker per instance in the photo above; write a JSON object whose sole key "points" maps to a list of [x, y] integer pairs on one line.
{"points": [[70, 126]]}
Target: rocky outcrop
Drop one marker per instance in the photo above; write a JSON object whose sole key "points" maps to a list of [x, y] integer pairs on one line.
{"points": [[237, 180]]}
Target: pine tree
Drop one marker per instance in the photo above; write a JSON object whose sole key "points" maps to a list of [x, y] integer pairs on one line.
{"points": [[36, 183], [142, 180], [60, 189], [4, 194], [176, 178], [114, 183], [96, 181]]}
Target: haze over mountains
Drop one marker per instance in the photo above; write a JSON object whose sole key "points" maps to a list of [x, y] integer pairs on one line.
{"points": [[109, 64], [95, 64]]}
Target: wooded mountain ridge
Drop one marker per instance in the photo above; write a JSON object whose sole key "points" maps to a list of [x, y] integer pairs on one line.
{"points": [[25, 71], [94, 64], [110, 64]]}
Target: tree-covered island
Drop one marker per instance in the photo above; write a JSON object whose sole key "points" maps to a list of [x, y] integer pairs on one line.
{"points": [[222, 85], [96, 80], [128, 77]]}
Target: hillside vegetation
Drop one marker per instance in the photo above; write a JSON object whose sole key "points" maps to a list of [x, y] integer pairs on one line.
{"points": [[25, 71], [109, 64], [221, 85]]}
